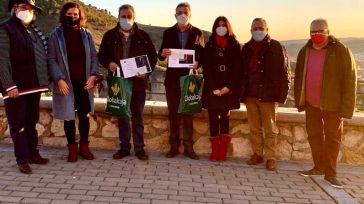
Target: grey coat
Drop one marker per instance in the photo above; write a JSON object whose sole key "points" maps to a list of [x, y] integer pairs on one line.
{"points": [[63, 106]]}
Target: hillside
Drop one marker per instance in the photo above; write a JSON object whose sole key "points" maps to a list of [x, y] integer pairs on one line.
{"points": [[355, 44], [98, 20]]}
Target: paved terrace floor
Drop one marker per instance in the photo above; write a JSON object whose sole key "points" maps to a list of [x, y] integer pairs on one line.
{"points": [[161, 180]]}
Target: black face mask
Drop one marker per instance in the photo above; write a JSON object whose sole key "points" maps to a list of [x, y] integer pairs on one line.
{"points": [[70, 22]]}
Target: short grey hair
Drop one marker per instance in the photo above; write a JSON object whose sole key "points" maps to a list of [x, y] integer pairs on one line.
{"points": [[320, 20], [127, 6], [184, 4], [260, 19]]}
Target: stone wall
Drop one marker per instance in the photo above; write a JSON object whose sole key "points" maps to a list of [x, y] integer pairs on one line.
{"points": [[292, 139]]}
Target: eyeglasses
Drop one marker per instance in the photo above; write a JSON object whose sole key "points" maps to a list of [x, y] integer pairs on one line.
{"points": [[127, 16], [181, 13], [318, 31]]}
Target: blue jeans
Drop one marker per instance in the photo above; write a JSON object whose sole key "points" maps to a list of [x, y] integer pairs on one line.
{"points": [[23, 115], [137, 111]]}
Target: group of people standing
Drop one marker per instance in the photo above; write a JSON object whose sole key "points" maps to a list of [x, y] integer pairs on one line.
{"points": [[258, 74]]}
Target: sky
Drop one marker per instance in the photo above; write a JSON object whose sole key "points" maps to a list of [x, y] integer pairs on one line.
{"points": [[287, 19]]}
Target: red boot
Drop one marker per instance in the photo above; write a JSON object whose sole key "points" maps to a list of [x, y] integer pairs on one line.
{"points": [[215, 147], [85, 152], [72, 153], [224, 144]]}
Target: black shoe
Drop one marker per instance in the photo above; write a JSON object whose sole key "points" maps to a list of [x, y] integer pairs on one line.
{"points": [[141, 155], [311, 172], [172, 153], [37, 159], [334, 182], [25, 169], [121, 154], [191, 155]]}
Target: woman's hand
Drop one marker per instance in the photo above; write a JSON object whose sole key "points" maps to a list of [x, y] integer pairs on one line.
{"points": [[63, 87], [217, 92], [225, 90], [13, 93], [90, 82]]}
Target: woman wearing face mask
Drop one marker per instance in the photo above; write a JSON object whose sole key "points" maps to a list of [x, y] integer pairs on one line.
{"points": [[222, 86], [74, 67]]}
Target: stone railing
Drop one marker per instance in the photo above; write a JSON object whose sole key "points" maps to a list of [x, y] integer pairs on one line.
{"points": [[157, 90], [292, 139]]}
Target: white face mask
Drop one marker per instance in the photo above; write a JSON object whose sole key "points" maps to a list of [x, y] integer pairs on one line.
{"points": [[25, 16], [182, 19], [221, 31], [126, 24]]}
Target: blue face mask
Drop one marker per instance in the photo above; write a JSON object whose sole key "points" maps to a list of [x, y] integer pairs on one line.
{"points": [[126, 24], [258, 35]]}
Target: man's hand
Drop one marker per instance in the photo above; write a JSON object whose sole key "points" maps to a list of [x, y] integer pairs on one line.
{"points": [[13, 93], [195, 65], [166, 53], [63, 87], [142, 76], [113, 66], [90, 82]]}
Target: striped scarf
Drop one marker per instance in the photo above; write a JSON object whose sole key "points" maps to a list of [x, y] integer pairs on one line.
{"points": [[41, 36]]}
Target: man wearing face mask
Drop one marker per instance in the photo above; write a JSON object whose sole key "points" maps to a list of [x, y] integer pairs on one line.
{"points": [[23, 76], [127, 40], [180, 36], [265, 84], [325, 88]]}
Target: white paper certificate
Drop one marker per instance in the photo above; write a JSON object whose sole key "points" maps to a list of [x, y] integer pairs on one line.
{"points": [[134, 66], [181, 58]]}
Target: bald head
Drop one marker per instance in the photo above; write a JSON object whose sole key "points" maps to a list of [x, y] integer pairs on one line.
{"points": [[321, 22]]}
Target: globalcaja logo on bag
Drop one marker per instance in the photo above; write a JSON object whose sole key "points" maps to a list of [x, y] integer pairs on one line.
{"points": [[192, 94], [115, 90]]}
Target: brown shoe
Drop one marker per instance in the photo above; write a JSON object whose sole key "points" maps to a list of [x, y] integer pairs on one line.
{"points": [[271, 165], [37, 159], [255, 159]]}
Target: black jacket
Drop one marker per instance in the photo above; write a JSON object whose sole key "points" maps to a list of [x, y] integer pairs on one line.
{"points": [[221, 68], [171, 41], [22, 71], [111, 50], [274, 68]]}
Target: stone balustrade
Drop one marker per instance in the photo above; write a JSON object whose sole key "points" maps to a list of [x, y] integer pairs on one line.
{"points": [[292, 138]]}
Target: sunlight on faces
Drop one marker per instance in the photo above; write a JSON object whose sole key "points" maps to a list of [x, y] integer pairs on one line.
{"points": [[259, 25], [319, 33], [24, 7], [319, 27], [183, 10], [74, 13], [127, 13], [222, 24]]}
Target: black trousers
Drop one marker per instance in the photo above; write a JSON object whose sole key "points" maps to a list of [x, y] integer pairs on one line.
{"points": [[219, 122], [82, 105], [23, 114], [173, 95]]}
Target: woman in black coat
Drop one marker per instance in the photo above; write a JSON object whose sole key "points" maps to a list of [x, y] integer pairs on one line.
{"points": [[221, 87]]}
